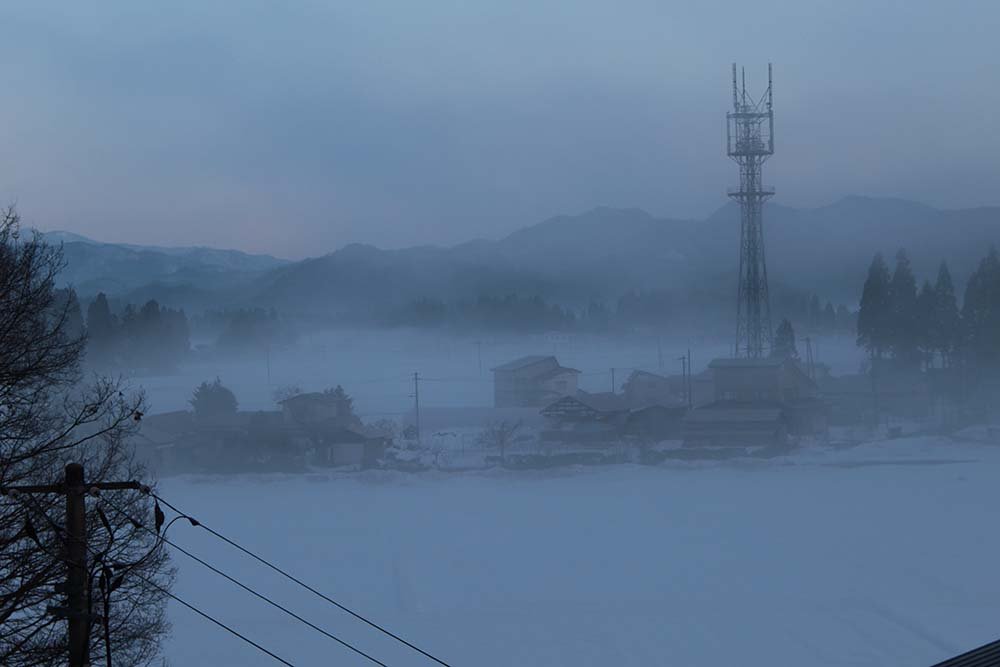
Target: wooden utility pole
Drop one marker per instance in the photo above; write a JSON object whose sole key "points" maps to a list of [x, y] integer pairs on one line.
{"points": [[690, 393], [684, 375], [416, 402], [76, 574], [75, 488]]}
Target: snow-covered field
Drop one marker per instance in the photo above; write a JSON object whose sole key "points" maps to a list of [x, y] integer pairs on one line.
{"points": [[882, 554]]}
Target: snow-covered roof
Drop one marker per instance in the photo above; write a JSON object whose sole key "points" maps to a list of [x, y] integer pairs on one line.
{"points": [[311, 397], [746, 363], [523, 362]]}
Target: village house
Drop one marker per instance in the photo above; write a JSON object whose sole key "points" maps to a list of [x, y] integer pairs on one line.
{"points": [[644, 389], [585, 417], [324, 425], [317, 407], [181, 442], [310, 429], [757, 402], [532, 381], [736, 425]]}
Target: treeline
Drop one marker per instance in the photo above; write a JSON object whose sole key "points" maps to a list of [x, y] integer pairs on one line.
{"points": [[662, 307], [925, 327], [508, 313], [150, 337], [632, 310], [156, 338], [244, 329]]}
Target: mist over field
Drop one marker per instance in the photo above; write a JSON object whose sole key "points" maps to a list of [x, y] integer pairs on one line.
{"points": [[496, 334]]}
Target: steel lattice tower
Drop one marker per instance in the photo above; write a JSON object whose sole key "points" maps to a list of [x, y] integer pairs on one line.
{"points": [[750, 141]]}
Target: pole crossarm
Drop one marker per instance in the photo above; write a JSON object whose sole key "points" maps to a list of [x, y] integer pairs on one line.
{"points": [[61, 488]]}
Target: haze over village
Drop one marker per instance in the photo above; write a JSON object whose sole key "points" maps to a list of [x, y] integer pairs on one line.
{"points": [[496, 335]]}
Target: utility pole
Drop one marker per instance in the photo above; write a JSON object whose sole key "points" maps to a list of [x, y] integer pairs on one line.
{"points": [[689, 391], [77, 594], [684, 375], [76, 575], [416, 402], [479, 355], [612, 379]]}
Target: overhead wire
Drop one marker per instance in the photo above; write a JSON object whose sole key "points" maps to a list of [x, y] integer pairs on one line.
{"points": [[301, 583], [233, 580], [236, 633]]}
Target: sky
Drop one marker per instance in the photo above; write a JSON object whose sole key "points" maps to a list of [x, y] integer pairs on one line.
{"points": [[294, 128]]}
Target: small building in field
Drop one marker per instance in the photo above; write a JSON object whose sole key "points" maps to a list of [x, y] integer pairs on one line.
{"points": [[757, 402], [736, 425], [338, 447], [585, 417], [643, 389], [316, 407], [748, 380], [532, 381], [656, 422]]}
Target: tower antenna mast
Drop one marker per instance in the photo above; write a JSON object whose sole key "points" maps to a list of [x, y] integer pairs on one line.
{"points": [[749, 143]]}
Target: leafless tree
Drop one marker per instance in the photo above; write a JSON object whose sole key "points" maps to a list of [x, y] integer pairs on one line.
{"points": [[499, 435], [48, 417]]}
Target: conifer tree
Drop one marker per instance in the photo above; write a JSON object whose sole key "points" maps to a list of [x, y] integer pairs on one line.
{"points": [[101, 326], [873, 316], [784, 346], [947, 329], [925, 323], [903, 336], [981, 310]]}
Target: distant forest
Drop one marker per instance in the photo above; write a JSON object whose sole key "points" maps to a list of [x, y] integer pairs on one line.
{"points": [[634, 310], [154, 338]]}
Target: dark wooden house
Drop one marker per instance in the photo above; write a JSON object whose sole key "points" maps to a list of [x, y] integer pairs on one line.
{"points": [[585, 417], [757, 402]]}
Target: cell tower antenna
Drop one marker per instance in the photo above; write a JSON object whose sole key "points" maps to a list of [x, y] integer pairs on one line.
{"points": [[736, 95], [750, 142], [770, 88]]}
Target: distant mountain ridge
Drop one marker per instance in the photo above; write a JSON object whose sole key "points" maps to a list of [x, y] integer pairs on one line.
{"points": [[120, 268], [606, 251], [598, 254]]}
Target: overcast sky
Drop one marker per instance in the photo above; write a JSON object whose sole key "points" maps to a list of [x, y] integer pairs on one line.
{"points": [[295, 127]]}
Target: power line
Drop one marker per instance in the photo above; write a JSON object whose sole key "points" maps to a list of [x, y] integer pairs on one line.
{"points": [[219, 623], [242, 585], [301, 583], [172, 596]]}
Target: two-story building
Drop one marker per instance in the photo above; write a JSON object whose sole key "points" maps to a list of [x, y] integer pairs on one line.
{"points": [[532, 381]]}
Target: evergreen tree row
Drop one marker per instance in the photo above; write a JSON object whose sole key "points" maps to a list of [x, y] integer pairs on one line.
{"points": [[926, 327], [150, 337]]}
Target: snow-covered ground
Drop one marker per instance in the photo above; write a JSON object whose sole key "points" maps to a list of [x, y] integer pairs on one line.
{"points": [[882, 554]]}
